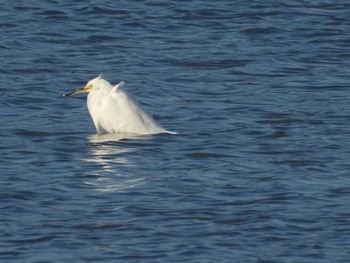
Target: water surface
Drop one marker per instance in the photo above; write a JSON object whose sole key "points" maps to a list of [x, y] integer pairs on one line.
{"points": [[258, 92]]}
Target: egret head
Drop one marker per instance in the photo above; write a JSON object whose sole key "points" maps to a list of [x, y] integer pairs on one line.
{"points": [[88, 87]]}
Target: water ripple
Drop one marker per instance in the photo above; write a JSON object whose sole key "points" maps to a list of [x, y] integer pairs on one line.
{"points": [[258, 92]]}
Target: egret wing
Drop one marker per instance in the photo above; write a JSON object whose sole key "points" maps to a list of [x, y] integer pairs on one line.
{"points": [[129, 115]]}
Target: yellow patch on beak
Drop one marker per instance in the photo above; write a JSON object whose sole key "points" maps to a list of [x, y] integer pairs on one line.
{"points": [[87, 88]]}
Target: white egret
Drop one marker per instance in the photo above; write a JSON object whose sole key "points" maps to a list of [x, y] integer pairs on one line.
{"points": [[114, 111]]}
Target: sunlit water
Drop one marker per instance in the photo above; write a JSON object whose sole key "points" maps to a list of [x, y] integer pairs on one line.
{"points": [[258, 92]]}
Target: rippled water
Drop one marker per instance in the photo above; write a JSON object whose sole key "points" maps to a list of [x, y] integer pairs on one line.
{"points": [[258, 92]]}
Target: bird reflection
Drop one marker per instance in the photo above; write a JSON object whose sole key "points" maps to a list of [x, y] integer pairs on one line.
{"points": [[114, 137], [109, 159]]}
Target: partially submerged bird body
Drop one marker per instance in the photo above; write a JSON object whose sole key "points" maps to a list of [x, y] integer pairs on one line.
{"points": [[114, 111]]}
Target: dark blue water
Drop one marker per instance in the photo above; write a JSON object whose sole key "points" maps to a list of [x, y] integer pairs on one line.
{"points": [[258, 92]]}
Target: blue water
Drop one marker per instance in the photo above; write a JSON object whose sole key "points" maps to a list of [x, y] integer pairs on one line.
{"points": [[258, 92]]}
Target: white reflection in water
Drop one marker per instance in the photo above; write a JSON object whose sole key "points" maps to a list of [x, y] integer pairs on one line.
{"points": [[111, 163], [105, 184], [98, 138]]}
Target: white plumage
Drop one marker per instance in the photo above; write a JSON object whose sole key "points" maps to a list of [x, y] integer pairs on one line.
{"points": [[114, 111]]}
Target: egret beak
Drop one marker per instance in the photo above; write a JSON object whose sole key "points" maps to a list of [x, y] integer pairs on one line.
{"points": [[87, 88]]}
